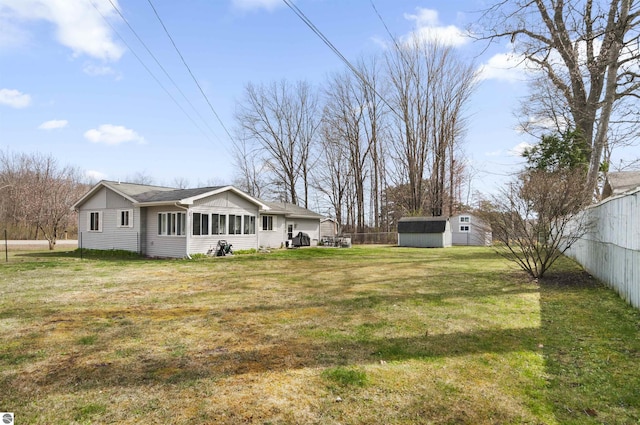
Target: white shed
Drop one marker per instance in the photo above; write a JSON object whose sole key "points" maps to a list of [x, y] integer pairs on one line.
{"points": [[424, 232]]}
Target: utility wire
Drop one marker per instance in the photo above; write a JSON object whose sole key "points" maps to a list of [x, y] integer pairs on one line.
{"points": [[160, 65], [189, 69], [150, 72], [335, 50]]}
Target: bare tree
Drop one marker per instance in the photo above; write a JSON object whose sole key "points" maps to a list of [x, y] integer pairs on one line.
{"points": [[331, 175], [430, 87], [141, 177], [587, 49], [282, 118], [39, 193], [537, 217], [251, 165]]}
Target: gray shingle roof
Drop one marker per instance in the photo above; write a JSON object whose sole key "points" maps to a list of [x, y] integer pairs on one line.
{"points": [[291, 210], [148, 193], [422, 225]]}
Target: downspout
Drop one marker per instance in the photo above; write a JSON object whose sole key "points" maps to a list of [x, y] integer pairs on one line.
{"points": [[187, 227]]}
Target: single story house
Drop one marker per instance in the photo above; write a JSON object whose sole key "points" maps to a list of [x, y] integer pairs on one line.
{"points": [[167, 222], [620, 182], [468, 229], [424, 232]]}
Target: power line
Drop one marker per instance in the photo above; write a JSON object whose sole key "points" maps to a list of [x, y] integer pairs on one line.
{"points": [[160, 65], [150, 72], [189, 69], [335, 50]]}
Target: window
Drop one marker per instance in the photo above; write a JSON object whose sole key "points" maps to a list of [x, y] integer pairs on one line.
{"points": [[249, 225], [95, 221], [218, 224], [125, 218], [464, 228], [235, 224], [267, 222], [172, 224], [200, 224], [465, 219]]}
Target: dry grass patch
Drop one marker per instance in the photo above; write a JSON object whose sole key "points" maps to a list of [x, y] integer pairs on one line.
{"points": [[314, 336]]}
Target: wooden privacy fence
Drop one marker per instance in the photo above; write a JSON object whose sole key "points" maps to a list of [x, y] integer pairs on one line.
{"points": [[610, 250]]}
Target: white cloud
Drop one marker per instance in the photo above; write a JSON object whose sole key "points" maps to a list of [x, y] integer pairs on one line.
{"points": [[257, 4], [53, 124], [428, 28], [78, 25], [113, 135], [14, 98], [95, 175], [519, 149], [509, 67], [100, 71]]}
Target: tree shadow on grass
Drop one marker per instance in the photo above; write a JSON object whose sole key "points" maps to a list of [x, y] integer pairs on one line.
{"points": [[591, 348], [80, 369]]}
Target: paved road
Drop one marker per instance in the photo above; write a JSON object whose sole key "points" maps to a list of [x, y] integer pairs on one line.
{"points": [[37, 244]]}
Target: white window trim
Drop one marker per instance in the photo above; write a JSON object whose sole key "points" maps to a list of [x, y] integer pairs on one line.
{"points": [[467, 230], [273, 220], [182, 225], [119, 219], [89, 213], [465, 219]]}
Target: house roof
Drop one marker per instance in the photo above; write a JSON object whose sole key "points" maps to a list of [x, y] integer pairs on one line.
{"points": [[159, 195], [422, 225], [291, 210], [620, 182]]}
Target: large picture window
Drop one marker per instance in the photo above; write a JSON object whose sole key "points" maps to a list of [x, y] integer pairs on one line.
{"points": [[172, 223], [267, 222], [200, 224]]}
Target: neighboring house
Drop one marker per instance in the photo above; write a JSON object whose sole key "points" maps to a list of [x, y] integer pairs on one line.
{"points": [[167, 222], [424, 232], [328, 228], [617, 183], [468, 229]]}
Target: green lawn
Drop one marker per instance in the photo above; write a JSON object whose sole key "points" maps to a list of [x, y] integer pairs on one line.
{"points": [[368, 335]]}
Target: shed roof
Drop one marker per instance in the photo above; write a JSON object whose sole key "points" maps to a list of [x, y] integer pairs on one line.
{"points": [[422, 225]]}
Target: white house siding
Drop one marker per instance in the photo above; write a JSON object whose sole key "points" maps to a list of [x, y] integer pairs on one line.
{"points": [[224, 203], [478, 234], [111, 236], [164, 246], [310, 226], [611, 249], [273, 238]]}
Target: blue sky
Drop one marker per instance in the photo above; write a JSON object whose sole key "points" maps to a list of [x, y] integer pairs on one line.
{"points": [[72, 83]]}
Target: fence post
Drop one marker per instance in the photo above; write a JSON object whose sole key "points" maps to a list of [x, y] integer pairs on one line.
{"points": [[6, 247], [81, 246]]}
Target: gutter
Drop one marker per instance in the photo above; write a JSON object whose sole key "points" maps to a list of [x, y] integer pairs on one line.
{"points": [[187, 225]]}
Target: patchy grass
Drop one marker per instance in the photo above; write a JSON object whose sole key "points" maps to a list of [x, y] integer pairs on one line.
{"points": [[398, 335]]}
